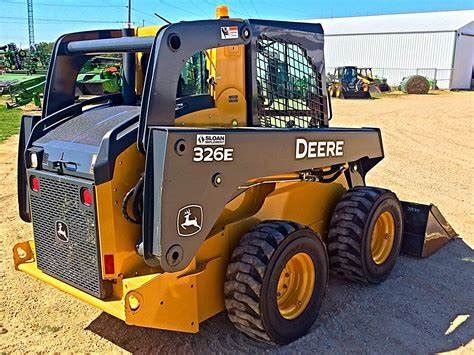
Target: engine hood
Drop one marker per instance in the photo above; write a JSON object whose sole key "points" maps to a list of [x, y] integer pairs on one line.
{"points": [[72, 147]]}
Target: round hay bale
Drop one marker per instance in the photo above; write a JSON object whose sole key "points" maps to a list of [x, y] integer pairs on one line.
{"points": [[415, 84]]}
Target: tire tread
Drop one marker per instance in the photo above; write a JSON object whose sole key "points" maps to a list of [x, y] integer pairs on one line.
{"points": [[346, 232], [244, 277]]}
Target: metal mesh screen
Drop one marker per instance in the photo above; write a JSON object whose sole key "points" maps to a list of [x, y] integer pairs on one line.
{"points": [[289, 86], [76, 261]]}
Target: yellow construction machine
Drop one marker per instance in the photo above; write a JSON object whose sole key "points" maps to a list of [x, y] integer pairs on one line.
{"points": [[350, 82], [211, 183]]}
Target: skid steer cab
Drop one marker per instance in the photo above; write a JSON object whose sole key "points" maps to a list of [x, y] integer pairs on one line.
{"points": [[212, 182]]}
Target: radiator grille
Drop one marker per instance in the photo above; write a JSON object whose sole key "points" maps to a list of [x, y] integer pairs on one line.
{"points": [[289, 86], [76, 260]]}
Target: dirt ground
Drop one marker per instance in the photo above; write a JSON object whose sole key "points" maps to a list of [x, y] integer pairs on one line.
{"points": [[425, 306]]}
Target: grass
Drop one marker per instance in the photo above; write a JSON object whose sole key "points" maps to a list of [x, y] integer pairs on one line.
{"points": [[9, 121]]}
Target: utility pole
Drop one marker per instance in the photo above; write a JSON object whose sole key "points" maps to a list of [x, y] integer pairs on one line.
{"points": [[129, 25], [31, 26]]}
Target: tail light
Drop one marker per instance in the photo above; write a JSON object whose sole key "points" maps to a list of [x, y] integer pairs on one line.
{"points": [[35, 183], [86, 196], [109, 265]]}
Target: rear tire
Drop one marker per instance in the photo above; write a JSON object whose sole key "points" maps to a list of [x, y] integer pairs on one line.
{"points": [[256, 299], [365, 234]]}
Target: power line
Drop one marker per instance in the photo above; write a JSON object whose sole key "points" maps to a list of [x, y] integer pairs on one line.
{"points": [[61, 5], [179, 8], [244, 8], [59, 20], [255, 8], [143, 12]]}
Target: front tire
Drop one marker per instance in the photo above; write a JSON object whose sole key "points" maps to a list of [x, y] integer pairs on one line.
{"points": [[276, 281], [365, 234]]}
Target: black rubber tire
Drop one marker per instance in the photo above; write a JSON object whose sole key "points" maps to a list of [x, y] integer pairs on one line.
{"points": [[350, 234], [252, 277]]}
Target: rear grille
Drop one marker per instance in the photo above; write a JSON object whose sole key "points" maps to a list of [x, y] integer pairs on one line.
{"points": [[73, 259]]}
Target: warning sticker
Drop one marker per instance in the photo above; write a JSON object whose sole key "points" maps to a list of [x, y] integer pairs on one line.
{"points": [[230, 32]]}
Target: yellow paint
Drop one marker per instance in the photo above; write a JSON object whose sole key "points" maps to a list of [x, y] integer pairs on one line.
{"points": [[117, 236], [147, 31], [295, 286], [383, 235], [113, 307], [222, 115], [181, 300], [226, 67], [307, 203], [141, 65]]}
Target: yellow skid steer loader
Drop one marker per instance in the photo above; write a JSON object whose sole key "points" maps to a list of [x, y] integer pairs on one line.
{"points": [[211, 183]]}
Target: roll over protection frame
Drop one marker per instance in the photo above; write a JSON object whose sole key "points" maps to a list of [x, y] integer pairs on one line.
{"points": [[174, 44], [170, 48]]}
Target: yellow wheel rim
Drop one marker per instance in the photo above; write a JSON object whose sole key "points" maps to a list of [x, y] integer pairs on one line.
{"points": [[295, 285], [382, 237]]}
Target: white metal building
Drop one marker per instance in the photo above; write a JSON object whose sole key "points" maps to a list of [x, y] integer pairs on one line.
{"points": [[439, 45]]}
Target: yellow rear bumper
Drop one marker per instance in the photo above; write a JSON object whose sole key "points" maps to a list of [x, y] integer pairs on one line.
{"points": [[168, 301]]}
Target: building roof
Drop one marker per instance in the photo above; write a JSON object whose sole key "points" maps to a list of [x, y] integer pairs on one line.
{"points": [[442, 21]]}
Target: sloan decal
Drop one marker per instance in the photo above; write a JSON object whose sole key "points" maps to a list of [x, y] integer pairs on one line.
{"points": [[210, 139], [318, 149], [189, 220], [229, 32]]}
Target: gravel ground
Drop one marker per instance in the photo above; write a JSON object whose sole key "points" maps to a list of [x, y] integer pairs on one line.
{"points": [[425, 306]]}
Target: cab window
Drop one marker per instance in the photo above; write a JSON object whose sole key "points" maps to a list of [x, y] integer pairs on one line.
{"points": [[194, 76]]}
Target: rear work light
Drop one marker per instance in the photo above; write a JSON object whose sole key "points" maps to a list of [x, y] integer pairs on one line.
{"points": [[34, 183], [34, 160], [86, 196]]}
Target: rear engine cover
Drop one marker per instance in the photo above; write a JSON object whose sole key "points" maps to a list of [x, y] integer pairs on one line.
{"points": [[65, 233]]}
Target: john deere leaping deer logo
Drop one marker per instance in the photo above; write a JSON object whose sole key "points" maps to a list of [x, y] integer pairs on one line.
{"points": [[62, 233], [189, 220]]}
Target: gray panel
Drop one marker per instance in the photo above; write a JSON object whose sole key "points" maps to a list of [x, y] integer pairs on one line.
{"points": [[160, 139], [110, 45], [90, 126], [186, 182], [72, 146]]}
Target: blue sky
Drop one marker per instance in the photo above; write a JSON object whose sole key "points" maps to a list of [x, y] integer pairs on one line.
{"points": [[55, 17]]}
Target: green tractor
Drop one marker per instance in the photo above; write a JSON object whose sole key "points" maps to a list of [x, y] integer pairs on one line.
{"points": [[22, 92], [23, 74], [100, 75]]}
